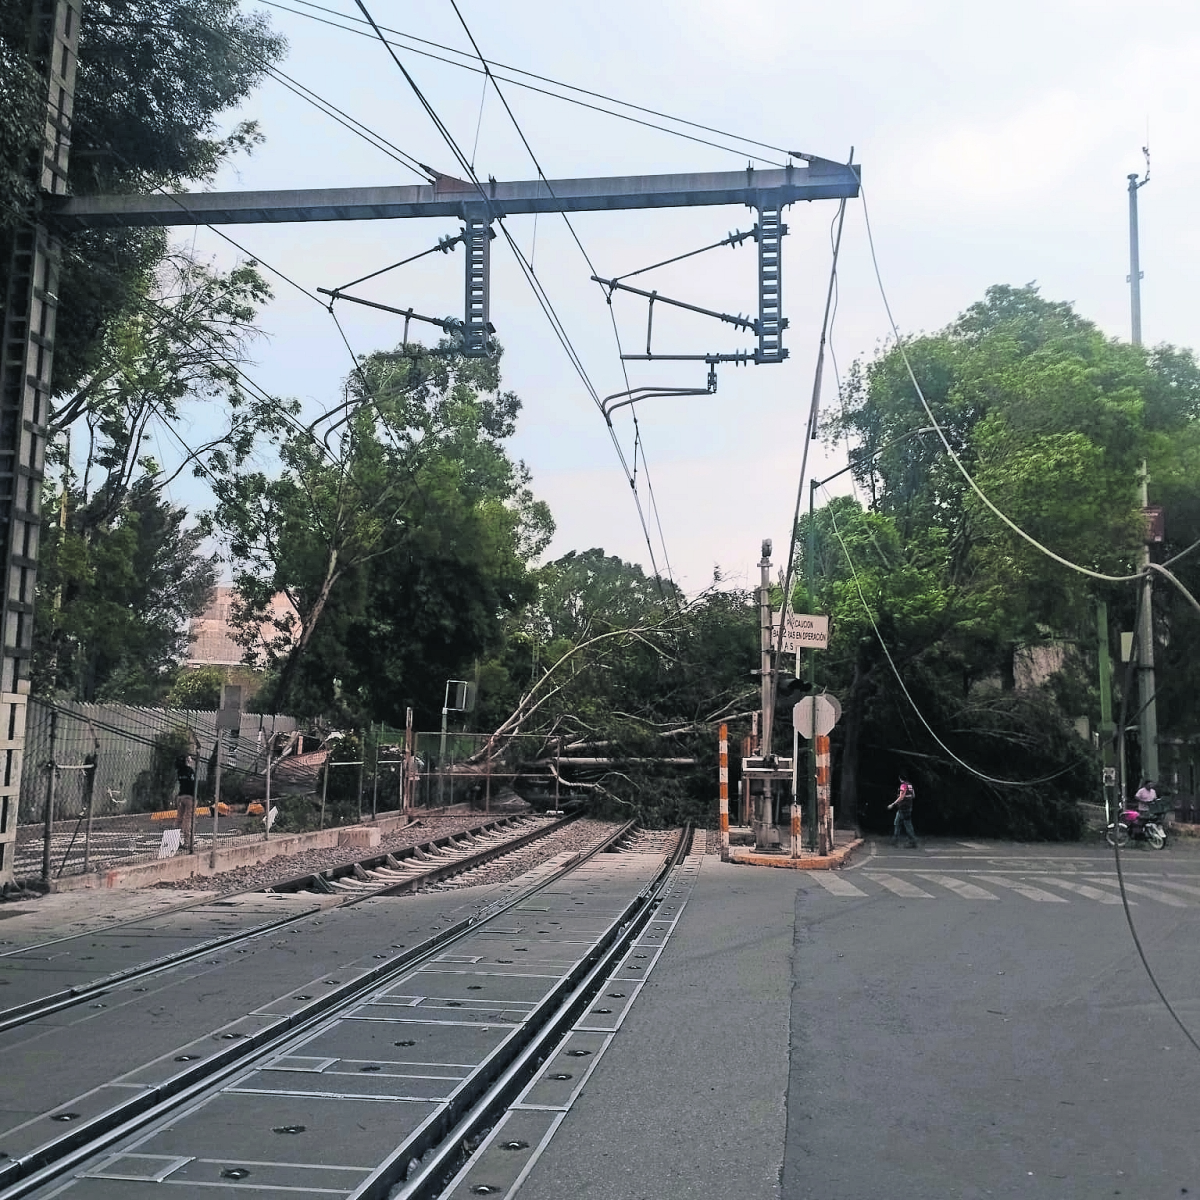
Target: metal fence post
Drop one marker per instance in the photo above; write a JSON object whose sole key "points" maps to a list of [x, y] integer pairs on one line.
{"points": [[408, 782], [723, 779], [375, 773], [89, 792], [324, 786], [52, 770], [362, 765], [212, 854], [267, 802]]}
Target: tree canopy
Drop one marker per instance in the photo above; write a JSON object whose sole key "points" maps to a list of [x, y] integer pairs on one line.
{"points": [[993, 638]]}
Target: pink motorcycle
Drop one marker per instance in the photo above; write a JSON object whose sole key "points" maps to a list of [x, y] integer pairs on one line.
{"points": [[1140, 826]]}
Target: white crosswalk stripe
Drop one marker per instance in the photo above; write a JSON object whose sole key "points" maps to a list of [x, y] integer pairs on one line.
{"points": [[1180, 887], [1082, 889], [968, 891], [1138, 890], [901, 887], [834, 883], [1025, 889], [1037, 886]]}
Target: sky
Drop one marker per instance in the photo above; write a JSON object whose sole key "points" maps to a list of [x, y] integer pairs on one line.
{"points": [[994, 140]]}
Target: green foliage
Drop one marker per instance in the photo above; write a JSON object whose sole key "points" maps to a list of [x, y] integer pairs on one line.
{"points": [[116, 589], [154, 789], [600, 664], [402, 538], [152, 84], [198, 689], [1052, 419]]}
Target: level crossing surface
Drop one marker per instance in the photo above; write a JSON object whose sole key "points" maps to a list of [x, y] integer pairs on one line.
{"points": [[966, 1020]]}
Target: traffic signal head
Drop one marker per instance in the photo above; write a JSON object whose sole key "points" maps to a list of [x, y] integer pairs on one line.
{"points": [[789, 689]]}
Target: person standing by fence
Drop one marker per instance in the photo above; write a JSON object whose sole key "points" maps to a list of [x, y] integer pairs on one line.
{"points": [[185, 803]]}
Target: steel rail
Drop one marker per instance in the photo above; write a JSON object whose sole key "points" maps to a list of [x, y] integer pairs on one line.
{"points": [[310, 879], [44, 1006], [22, 1175], [450, 869], [447, 1155]]}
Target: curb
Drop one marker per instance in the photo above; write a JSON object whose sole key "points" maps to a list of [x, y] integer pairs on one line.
{"points": [[815, 862]]}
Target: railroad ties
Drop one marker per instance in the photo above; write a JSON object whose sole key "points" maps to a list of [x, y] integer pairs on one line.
{"points": [[423, 865]]}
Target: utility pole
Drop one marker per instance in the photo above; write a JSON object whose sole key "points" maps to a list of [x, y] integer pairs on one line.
{"points": [[767, 691], [1107, 727], [1148, 716], [1147, 705]]}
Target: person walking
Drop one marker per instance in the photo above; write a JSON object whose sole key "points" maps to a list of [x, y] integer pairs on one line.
{"points": [[903, 804]]}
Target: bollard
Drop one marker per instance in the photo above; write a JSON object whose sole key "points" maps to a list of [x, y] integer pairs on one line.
{"points": [[824, 829], [724, 780]]}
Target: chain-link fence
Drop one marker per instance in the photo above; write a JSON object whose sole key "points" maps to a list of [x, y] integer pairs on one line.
{"points": [[100, 781]]}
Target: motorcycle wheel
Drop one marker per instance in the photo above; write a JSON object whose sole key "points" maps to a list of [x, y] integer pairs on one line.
{"points": [[1120, 837], [1155, 836]]}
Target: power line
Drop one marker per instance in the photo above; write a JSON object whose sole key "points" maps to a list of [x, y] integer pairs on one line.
{"points": [[1133, 933], [539, 292], [331, 110], [632, 479], [904, 688], [810, 430], [1058, 558], [545, 79]]}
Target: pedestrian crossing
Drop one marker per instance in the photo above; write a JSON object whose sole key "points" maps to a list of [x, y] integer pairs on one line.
{"points": [[975, 885]]}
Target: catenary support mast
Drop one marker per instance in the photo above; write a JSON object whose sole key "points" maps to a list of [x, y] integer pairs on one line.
{"points": [[26, 363]]}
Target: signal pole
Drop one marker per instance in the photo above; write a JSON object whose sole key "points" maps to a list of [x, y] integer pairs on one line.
{"points": [[1148, 708]]}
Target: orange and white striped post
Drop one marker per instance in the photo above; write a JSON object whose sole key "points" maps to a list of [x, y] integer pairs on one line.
{"points": [[824, 825], [724, 778]]}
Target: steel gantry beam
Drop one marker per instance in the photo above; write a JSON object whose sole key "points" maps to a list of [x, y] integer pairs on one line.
{"points": [[26, 363], [815, 179], [768, 192]]}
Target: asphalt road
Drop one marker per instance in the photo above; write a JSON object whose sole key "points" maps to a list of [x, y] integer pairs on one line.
{"points": [[972, 1020]]}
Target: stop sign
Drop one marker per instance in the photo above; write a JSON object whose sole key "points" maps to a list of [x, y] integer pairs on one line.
{"points": [[827, 710]]}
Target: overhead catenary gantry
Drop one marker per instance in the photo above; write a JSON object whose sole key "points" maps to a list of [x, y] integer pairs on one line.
{"points": [[27, 344], [478, 207]]}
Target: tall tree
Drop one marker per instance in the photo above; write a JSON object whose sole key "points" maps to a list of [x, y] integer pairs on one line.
{"points": [[1051, 419], [398, 527]]}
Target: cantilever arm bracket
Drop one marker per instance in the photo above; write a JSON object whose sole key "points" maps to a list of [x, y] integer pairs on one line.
{"points": [[617, 400]]}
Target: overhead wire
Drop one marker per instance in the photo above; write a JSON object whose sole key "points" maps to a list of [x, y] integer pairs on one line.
{"points": [[1157, 568], [1126, 689], [587, 258], [904, 687], [540, 294], [810, 430], [466, 66], [299, 89], [950, 451]]}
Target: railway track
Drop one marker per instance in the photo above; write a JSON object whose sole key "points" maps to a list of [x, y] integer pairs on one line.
{"points": [[380, 1084], [437, 859], [419, 866]]}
